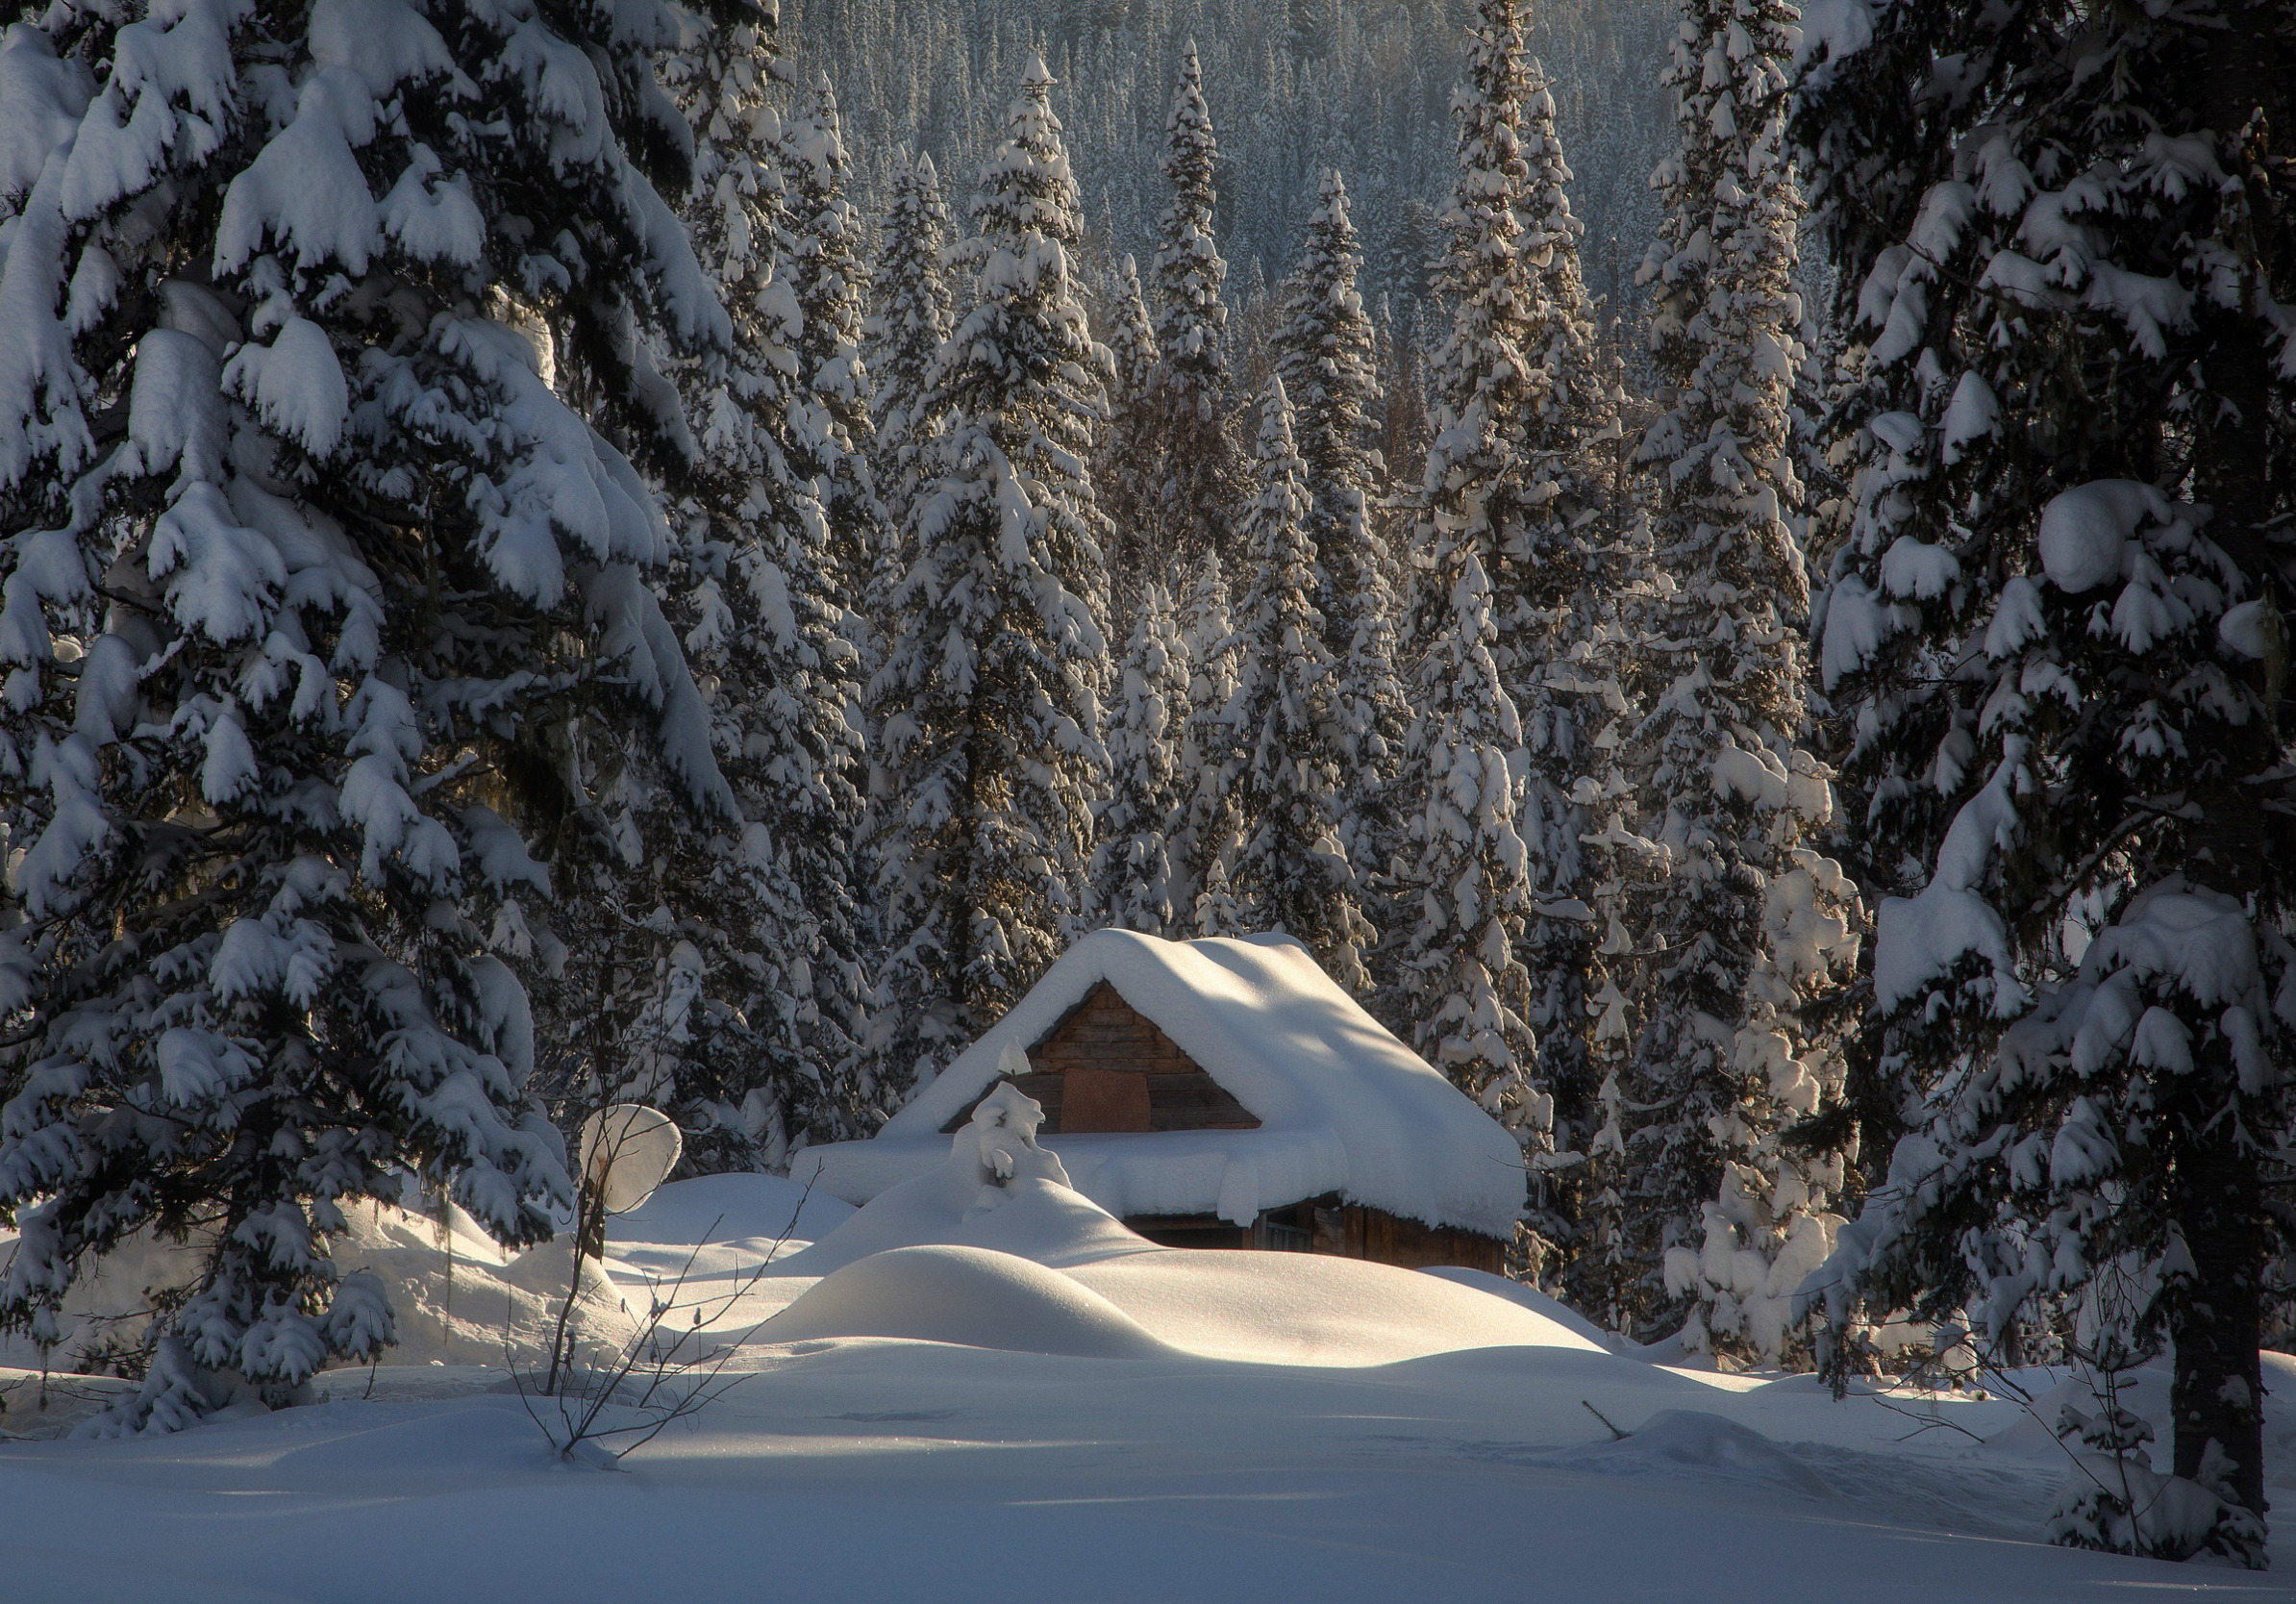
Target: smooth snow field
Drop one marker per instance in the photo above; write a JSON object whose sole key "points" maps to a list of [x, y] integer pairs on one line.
{"points": [[1021, 1400]]}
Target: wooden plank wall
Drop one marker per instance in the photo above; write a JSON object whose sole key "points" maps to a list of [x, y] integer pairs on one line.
{"points": [[1387, 1239], [1105, 1035]]}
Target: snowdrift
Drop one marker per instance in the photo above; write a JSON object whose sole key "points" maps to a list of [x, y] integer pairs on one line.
{"points": [[994, 1250], [970, 1297]]}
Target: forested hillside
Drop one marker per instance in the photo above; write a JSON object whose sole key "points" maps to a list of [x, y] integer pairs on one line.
{"points": [[1364, 85]]}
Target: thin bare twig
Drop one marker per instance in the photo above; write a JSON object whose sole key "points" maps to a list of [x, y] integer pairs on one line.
{"points": [[675, 1387], [1616, 1436]]}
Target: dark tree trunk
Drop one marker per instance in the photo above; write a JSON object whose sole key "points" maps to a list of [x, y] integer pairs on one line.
{"points": [[2217, 1394], [2215, 1184]]}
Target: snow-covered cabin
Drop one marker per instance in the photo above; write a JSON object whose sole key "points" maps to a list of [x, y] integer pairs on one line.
{"points": [[1222, 1093]]}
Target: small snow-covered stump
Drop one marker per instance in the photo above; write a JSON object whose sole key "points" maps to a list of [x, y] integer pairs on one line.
{"points": [[998, 1144]]}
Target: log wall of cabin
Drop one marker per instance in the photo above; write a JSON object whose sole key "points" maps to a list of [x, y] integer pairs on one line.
{"points": [[1128, 1076], [1327, 1225]]}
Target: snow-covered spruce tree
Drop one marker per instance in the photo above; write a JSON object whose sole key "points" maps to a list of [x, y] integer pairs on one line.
{"points": [[1128, 466], [1191, 319], [758, 932], [1464, 985], [1131, 334], [1132, 868], [306, 567], [1501, 485], [821, 261], [988, 701], [1290, 867], [1741, 943], [2058, 633], [913, 306], [1204, 846], [1203, 474], [913, 312], [1323, 349], [1564, 646]]}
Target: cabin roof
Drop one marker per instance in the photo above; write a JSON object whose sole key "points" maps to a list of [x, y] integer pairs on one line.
{"points": [[1343, 1106]]}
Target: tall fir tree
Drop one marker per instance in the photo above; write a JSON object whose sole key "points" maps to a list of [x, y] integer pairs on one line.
{"points": [[1490, 488], [770, 913], [1202, 473], [1324, 352], [1287, 866], [822, 262], [988, 702], [2057, 633], [1749, 933], [1132, 868], [914, 311], [308, 568], [1191, 319], [1580, 573], [1132, 335], [913, 306], [1203, 846], [1130, 462], [1464, 985]]}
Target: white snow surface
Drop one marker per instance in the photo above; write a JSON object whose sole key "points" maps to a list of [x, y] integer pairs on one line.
{"points": [[1144, 1424], [1343, 1106]]}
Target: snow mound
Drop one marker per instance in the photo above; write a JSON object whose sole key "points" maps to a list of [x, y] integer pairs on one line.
{"points": [[456, 1296], [1677, 1439], [1531, 1298], [723, 1228], [459, 1300], [998, 1190], [727, 1208], [970, 1297], [1039, 1219], [2145, 1393], [1308, 1309]]}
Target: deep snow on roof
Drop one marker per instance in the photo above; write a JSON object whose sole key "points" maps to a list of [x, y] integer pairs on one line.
{"points": [[1343, 1106]]}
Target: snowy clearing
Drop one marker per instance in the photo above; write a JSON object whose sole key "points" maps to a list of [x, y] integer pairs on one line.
{"points": [[1210, 1425]]}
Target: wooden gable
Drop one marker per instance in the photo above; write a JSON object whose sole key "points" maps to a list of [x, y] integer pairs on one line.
{"points": [[1104, 1066]]}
